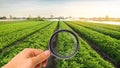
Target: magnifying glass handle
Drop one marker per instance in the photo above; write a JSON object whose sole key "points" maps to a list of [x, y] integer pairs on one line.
{"points": [[40, 65]]}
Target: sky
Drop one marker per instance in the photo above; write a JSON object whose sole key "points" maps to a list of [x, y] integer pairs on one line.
{"points": [[74, 8]]}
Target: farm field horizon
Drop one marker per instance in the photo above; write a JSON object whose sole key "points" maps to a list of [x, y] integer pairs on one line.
{"points": [[99, 43], [59, 33]]}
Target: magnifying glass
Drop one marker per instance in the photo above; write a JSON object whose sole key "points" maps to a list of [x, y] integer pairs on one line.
{"points": [[63, 44]]}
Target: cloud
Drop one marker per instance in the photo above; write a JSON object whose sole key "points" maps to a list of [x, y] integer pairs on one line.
{"points": [[59, 7]]}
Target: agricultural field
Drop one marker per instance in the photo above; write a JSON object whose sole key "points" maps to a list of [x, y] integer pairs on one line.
{"points": [[99, 43]]}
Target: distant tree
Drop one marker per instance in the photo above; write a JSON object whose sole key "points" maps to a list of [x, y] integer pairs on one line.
{"points": [[70, 17], [38, 17], [29, 18], [23, 17], [107, 18], [4, 17], [10, 16], [99, 18], [14, 17], [51, 16]]}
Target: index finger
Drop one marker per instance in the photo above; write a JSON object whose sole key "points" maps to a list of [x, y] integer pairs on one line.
{"points": [[30, 52], [41, 57]]}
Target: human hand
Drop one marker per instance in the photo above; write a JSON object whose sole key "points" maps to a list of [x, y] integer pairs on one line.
{"points": [[29, 58]]}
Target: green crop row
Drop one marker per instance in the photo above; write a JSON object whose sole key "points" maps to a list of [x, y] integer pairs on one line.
{"points": [[108, 45], [86, 57], [112, 33], [11, 22], [108, 26], [12, 37], [10, 28], [65, 44], [38, 40]]}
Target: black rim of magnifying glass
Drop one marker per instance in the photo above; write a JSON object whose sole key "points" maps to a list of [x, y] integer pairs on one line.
{"points": [[66, 57]]}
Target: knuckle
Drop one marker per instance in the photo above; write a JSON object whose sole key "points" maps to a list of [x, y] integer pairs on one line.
{"points": [[26, 49], [42, 57]]}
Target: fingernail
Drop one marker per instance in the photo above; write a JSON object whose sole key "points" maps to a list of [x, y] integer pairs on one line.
{"points": [[47, 52]]}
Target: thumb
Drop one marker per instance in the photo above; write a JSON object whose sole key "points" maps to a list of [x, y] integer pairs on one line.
{"points": [[41, 58]]}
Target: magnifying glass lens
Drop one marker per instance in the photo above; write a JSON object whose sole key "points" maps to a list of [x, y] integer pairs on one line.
{"points": [[64, 44]]}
